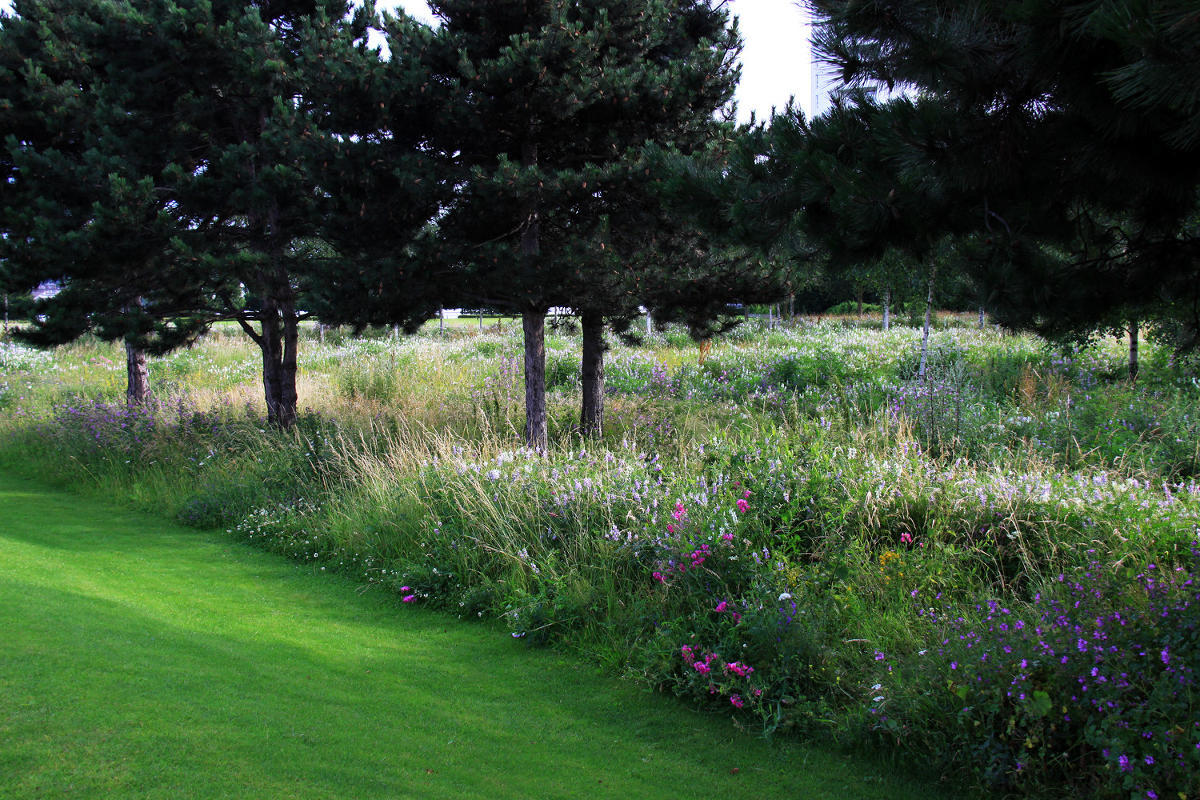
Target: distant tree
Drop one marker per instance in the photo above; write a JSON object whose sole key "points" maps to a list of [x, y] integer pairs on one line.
{"points": [[844, 181]]}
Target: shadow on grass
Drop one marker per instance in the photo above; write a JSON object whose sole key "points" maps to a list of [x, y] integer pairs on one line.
{"points": [[162, 662]]}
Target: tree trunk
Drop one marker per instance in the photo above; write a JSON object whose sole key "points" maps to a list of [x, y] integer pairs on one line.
{"points": [[137, 383], [649, 324], [860, 301], [6, 313], [278, 343], [925, 335], [533, 322], [1133, 350], [536, 435], [982, 319], [441, 320], [887, 308], [791, 308], [591, 417]]}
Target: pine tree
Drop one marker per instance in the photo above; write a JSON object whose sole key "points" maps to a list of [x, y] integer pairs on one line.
{"points": [[1065, 138], [164, 164], [548, 104], [76, 167]]}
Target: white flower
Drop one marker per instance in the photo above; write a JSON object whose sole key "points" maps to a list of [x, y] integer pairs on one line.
{"points": [[877, 687], [784, 596], [878, 699]]}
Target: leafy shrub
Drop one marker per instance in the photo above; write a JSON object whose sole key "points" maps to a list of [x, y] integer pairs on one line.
{"points": [[852, 307], [222, 501], [562, 372]]}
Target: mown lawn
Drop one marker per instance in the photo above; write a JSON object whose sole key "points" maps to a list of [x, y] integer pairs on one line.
{"points": [[141, 659]]}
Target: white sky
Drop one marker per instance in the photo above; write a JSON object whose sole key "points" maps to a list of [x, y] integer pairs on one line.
{"points": [[775, 61]]}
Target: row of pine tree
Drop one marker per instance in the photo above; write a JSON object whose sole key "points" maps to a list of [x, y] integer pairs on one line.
{"points": [[175, 163]]}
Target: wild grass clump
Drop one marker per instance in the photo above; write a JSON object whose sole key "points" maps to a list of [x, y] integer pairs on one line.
{"points": [[786, 525]]}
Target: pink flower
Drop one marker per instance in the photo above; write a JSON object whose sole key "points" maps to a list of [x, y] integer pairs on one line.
{"points": [[736, 700], [736, 617], [906, 538], [405, 589], [721, 606], [747, 494], [687, 654], [678, 512], [409, 598], [670, 528], [727, 537], [702, 667], [658, 576], [743, 506]]}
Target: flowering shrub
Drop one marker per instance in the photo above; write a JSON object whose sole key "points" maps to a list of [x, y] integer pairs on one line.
{"points": [[1094, 682]]}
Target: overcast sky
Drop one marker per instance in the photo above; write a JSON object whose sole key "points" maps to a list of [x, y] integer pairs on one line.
{"points": [[775, 62]]}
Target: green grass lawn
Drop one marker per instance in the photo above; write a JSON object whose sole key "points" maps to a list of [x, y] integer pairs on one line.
{"points": [[141, 659]]}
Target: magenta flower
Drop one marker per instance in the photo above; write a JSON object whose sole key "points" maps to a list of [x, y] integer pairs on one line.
{"points": [[409, 598], [702, 667], [743, 506], [736, 700], [721, 606]]}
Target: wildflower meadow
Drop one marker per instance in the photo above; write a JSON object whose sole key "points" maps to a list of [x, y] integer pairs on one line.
{"points": [[991, 571]]}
